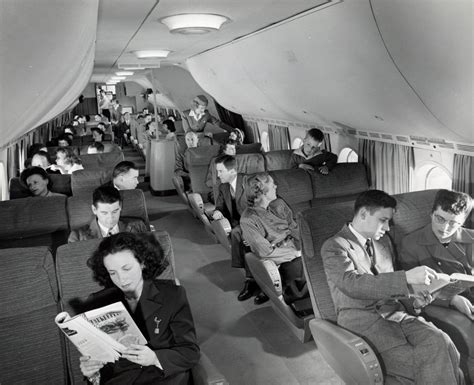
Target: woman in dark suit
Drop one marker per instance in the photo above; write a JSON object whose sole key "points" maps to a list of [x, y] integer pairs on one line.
{"points": [[125, 264]]}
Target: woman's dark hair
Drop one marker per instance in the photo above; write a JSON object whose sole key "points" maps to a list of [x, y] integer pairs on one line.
{"points": [[170, 124], [145, 248], [34, 148], [34, 171], [224, 146]]}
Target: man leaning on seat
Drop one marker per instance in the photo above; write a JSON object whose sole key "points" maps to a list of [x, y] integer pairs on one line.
{"points": [[106, 206], [367, 294], [444, 245]]}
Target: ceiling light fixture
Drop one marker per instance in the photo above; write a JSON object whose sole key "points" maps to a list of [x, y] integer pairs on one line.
{"points": [[124, 73], [194, 23], [118, 78], [150, 53]]}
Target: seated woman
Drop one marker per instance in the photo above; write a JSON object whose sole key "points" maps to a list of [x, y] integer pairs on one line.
{"points": [[126, 265], [270, 230], [97, 134], [67, 161], [42, 159], [169, 129], [38, 182]]}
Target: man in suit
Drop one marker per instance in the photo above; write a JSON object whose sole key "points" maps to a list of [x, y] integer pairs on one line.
{"points": [[198, 116], [444, 245], [106, 206], [366, 291], [128, 127], [230, 203], [124, 176]]}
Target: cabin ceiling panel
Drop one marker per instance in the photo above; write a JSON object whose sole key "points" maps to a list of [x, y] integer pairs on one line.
{"points": [[331, 63], [41, 74], [432, 44]]}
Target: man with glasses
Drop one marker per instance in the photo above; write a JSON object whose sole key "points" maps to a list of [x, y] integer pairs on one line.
{"points": [[444, 245]]}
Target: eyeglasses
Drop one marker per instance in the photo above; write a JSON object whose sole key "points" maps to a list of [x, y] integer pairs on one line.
{"points": [[442, 221]]}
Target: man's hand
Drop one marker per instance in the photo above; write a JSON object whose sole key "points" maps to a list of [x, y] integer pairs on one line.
{"points": [[305, 166], [323, 170], [421, 275], [216, 215], [141, 355], [463, 305]]}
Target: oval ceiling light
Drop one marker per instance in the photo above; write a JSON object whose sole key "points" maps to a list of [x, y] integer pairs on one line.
{"points": [[194, 23], [124, 73], [151, 53]]}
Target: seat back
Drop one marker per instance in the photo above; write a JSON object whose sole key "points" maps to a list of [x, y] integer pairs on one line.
{"points": [[76, 283], [133, 207], [294, 187], [343, 183], [249, 148], [278, 160], [108, 147], [59, 184], [31, 345], [101, 161], [52, 150], [33, 222], [198, 160], [84, 182]]}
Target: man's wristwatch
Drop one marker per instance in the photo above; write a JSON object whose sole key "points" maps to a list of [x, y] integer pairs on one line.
{"points": [[94, 379]]}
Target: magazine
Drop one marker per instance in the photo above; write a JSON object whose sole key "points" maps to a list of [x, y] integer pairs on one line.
{"points": [[446, 286], [101, 333]]}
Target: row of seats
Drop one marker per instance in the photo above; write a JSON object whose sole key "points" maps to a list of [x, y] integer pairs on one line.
{"points": [[80, 145], [342, 348], [47, 221], [36, 287]]}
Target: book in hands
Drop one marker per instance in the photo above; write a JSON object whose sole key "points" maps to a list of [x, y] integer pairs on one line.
{"points": [[102, 334], [446, 286]]}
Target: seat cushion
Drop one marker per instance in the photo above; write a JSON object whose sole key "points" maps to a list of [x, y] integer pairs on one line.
{"points": [[101, 161], [278, 160], [294, 187]]}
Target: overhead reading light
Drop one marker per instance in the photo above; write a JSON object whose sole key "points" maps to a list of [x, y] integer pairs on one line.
{"points": [[124, 73], [194, 23], [149, 53]]}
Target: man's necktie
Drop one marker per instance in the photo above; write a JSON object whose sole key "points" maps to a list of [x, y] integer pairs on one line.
{"points": [[232, 191], [370, 251], [110, 233]]}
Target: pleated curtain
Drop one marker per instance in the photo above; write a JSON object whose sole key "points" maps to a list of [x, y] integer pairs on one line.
{"points": [[463, 179], [389, 166], [252, 131], [279, 137]]}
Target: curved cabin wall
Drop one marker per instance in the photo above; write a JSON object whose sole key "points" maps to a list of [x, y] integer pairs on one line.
{"points": [[332, 66]]}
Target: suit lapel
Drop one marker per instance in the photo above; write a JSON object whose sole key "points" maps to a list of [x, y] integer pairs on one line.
{"points": [[152, 300], [227, 198], [358, 253], [94, 229]]}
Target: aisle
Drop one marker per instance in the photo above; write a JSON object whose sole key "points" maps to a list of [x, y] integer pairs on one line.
{"points": [[249, 344]]}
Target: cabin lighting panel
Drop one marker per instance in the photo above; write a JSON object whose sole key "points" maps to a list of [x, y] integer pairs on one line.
{"points": [[194, 23], [124, 73], [118, 78], [151, 53]]}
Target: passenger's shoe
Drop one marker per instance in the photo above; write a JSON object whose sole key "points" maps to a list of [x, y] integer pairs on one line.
{"points": [[248, 291], [260, 298]]}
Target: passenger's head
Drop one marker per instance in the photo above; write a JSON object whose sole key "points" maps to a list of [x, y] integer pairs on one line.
{"points": [[125, 260], [145, 111], [37, 180], [191, 139], [313, 141], [450, 210], [168, 125], [66, 158], [64, 141], [171, 117], [97, 134], [95, 148], [147, 118], [125, 175], [200, 104], [229, 148], [260, 189], [106, 205], [226, 168], [41, 159], [97, 117], [237, 135], [126, 116], [36, 147], [373, 210]]}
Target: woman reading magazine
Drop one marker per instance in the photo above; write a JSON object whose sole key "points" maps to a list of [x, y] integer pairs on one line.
{"points": [[125, 264]]}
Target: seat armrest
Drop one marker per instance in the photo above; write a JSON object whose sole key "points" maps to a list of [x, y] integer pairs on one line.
{"points": [[261, 275], [209, 208], [222, 229], [205, 373], [455, 324], [197, 204], [351, 357]]}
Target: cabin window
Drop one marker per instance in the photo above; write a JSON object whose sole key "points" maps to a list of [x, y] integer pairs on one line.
{"points": [[265, 141], [297, 142], [436, 178], [3, 182], [348, 155]]}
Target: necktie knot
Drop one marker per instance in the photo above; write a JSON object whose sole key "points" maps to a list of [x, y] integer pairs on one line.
{"points": [[368, 247]]}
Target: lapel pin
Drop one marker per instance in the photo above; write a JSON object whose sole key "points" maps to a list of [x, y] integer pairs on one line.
{"points": [[157, 328]]}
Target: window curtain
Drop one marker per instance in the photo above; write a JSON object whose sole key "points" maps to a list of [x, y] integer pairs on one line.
{"points": [[327, 142], [252, 132], [463, 179], [279, 137], [389, 166], [12, 156], [230, 118]]}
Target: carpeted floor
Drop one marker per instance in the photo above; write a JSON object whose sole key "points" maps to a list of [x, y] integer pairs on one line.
{"points": [[249, 344]]}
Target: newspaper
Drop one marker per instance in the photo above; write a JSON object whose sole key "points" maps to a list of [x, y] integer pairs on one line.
{"points": [[101, 333], [446, 286]]}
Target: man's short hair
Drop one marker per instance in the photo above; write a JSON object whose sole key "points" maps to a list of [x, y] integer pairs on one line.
{"points": [[201, 100], [374, 200], [316, 134], [106, 194], [453, 202], [98, 146], [228, 161], [66, 138], [97, 129], [123, 167]]}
